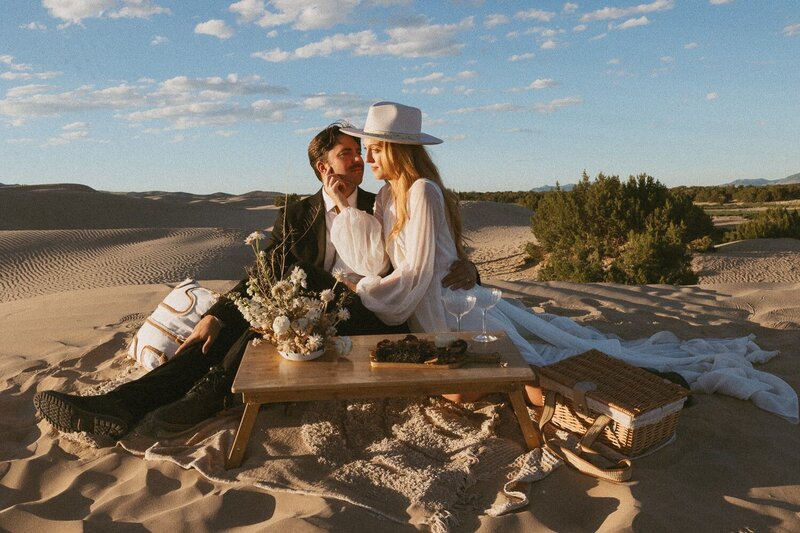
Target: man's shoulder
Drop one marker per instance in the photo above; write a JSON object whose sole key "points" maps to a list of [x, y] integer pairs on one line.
{"points": [[304, 205]]}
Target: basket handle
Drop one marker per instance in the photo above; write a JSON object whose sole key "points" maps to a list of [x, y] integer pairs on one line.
{"points": [[615, 472]]}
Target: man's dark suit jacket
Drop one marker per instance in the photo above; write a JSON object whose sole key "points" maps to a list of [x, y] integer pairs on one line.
{"points": [[299, 234]]}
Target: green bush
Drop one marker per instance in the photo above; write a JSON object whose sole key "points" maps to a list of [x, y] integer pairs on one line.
{"points": [[286, 199], [634, 232], [534, 254], [770, 224]]}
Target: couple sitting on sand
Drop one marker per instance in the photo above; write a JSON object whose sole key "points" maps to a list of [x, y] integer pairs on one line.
{"points": [[412, 230]]}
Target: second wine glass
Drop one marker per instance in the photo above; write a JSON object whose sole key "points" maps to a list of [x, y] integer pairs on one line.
{"points": [[485, 300], [458, 303]]}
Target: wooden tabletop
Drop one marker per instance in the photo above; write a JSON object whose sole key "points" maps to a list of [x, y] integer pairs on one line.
{"points": [[265, 376]]}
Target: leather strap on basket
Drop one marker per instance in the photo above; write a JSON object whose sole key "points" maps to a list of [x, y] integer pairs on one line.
{"points": [[616, 472]]}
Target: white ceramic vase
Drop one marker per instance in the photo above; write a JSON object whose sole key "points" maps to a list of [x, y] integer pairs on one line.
{"points": [[292, 356]]}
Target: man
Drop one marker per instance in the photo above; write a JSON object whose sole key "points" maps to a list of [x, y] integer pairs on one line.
{"points": [[196, 383]]}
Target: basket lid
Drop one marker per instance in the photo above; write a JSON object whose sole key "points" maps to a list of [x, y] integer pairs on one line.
{"points": [[619, 385]]}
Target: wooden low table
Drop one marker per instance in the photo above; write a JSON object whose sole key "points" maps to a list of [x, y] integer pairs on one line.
{"points": [[265, 377]]}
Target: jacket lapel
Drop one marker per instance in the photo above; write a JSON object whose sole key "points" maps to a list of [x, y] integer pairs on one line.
{"points": [[317, 206]]}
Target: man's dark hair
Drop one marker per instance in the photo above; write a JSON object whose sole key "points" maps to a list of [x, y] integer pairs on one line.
{"points": [[324, 141]]}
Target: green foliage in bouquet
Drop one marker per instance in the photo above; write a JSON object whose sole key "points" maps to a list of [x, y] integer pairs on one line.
{"points": [[632, 232], [770, 224], [285, 312]]}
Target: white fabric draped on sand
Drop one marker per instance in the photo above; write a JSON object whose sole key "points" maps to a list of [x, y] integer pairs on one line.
{"points": [[422, 254]]}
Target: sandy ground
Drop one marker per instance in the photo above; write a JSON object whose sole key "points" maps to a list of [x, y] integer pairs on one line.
{"points": [[80, 269]]}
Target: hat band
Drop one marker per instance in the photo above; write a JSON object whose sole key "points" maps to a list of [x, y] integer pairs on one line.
{"points": [[392, 134]]}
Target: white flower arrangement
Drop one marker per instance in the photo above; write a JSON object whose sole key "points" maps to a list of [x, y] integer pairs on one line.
{"points": [[285, 312]]}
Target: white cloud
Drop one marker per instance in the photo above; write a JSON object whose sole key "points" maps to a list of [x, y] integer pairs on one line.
{"points": [[557, 104], [432, 91], [139, 9], [181, 102], [248, 10], [421, 40], [570, 7], [690, 46], [630, 23], [159, 39], [712, 96], [74, 11], [23, 71], [535, 14], [792, 30], [491, 21], [521, 57], [320, 14], [338, 105], [35, 26], [9, 60], [29, 75], [75, 131], [491, 108], [719, 2], [613, 61], [440, 77], [433, 76], [610, 13], [276, 55], [214, 27], [543, 84], [549, 44], [580, 27], [667, 59]]}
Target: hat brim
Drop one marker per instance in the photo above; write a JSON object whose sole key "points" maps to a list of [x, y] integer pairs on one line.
{"points": [[399, 138]]}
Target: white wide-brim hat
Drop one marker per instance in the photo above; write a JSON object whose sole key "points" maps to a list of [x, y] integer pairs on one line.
{"points": [[392, 122]]}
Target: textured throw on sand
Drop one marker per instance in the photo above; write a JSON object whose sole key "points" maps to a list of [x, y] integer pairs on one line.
{"points": [[412, 460]]}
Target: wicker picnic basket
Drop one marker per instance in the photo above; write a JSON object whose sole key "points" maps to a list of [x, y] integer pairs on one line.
{"points": [[642, 407]]}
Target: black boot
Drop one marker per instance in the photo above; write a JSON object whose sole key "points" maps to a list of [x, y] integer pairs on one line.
{"points": [[209, 396], [97, 415]]}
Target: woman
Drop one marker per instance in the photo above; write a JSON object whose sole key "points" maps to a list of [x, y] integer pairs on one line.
{"points": [[417, 228]]}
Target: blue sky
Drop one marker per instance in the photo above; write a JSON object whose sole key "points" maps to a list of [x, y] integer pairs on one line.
{"points": [[199, 96]]}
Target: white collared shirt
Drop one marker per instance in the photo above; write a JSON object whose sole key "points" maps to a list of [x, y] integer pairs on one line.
{"points": [[332, 259]]}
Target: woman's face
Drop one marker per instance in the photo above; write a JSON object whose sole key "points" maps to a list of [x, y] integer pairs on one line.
{"points": [[376, 159]]}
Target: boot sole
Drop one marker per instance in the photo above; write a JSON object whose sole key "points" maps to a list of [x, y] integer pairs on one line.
{"points": [[69, 418]]}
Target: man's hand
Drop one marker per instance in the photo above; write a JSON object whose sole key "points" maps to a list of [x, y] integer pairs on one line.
{"points": [[463, 275], [206, 331], [336, 188]]}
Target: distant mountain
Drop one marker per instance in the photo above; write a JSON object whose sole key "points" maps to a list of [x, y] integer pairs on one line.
{"points": [[754, 181], [758, 182], [548, 188]]}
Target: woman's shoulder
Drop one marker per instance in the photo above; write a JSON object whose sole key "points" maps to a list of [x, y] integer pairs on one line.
{"points": [[426, 187]]}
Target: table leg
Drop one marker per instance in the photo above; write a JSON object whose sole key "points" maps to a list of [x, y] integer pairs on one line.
{"points": [[529, 431], [242, 436]]}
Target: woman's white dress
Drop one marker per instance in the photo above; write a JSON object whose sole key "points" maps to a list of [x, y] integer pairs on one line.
{"points": [[422, 254]]}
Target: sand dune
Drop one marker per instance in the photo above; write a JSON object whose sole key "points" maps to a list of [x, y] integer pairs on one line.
{"points": [[752, 261], [46, 261], [75, 283]]}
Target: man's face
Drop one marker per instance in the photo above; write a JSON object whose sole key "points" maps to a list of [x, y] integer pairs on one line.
{"points": [[345, 160]]}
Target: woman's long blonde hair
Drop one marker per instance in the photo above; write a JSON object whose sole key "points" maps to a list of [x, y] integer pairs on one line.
{"points": [[406, 164]]}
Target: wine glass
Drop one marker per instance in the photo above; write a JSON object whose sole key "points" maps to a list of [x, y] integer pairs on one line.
{"points": [[485, 300], [458, 303]]}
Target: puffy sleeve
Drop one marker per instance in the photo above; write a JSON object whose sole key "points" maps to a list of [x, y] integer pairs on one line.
{"points": [[394, 298], [358, 239]]}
